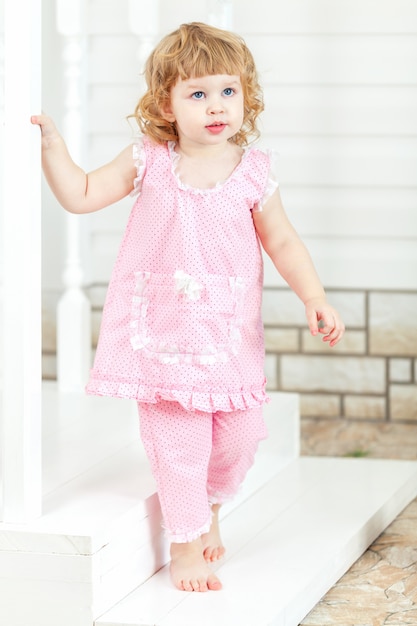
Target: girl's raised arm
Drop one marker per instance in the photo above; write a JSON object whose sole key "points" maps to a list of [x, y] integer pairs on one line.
{"points": [[76, 190]]}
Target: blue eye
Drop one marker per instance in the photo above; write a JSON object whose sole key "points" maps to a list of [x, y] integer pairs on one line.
{"points": [[228, 91], [198, 95]]}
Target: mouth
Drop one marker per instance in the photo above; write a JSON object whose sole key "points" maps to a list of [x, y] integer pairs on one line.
{"points": [[216, 127]]}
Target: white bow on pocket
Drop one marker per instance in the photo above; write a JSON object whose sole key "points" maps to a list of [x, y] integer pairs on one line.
{"points": [[187, 286]]}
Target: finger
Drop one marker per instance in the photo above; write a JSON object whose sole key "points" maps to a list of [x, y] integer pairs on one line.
{"points": [[327, 322], [312, 322], [40, 119], [335, 336]]}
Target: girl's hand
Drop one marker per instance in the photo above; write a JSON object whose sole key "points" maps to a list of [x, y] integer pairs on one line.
{"points": [[324, 319], [48, 129]]}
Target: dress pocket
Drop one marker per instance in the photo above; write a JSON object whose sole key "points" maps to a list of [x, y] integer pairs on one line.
{"points": [[179, 318]]}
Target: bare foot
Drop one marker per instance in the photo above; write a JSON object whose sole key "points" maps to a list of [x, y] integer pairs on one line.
{"points": [[213, 549], [189, 570]]}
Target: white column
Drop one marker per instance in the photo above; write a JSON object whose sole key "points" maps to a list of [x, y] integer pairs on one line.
{"points": [[21, 259], [74, 311], [2, 156]]}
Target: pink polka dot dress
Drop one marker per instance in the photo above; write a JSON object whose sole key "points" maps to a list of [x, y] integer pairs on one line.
{"points": [[182, 317]]}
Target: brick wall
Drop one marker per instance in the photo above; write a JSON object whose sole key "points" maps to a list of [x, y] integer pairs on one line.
{"points": [[371, 374]]}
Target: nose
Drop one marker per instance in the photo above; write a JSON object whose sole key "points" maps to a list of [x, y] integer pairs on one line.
{"points": [[215, 105]]}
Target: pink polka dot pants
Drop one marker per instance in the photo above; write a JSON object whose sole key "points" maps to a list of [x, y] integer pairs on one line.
{"points": [[197, 459]]}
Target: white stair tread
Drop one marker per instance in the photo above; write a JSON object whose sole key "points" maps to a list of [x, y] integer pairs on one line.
{"points": [[286, 546]]}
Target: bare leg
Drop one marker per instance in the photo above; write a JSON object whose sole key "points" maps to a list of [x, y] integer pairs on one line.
{"points": [[213, 548], [189, 570]]}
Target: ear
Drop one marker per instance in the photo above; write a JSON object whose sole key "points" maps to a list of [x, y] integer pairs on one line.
{"points": [[166, 112]]}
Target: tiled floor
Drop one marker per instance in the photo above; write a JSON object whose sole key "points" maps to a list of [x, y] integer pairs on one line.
{"points": [[380, 589]]}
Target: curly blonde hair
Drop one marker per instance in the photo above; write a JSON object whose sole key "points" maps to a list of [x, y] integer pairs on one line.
{"points": [[195, 50]]}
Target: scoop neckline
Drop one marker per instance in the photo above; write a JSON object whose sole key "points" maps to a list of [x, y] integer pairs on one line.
{"points": [[175, 157]]}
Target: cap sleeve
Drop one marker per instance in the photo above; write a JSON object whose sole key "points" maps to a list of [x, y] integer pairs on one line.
{"points": [[139, 157], [272, 183]]}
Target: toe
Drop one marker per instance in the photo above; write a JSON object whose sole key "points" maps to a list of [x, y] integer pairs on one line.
{"points": [[186, 585], [214, 554], [203, 586], [208, 554], [214, 583]]}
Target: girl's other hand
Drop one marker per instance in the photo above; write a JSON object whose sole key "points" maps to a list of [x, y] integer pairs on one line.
{"points": [[324, 319]]}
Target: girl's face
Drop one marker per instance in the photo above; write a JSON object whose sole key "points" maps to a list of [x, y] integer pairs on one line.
{"points": [[207, 110]]}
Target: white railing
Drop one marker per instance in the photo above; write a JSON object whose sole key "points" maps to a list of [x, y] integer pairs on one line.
{"points": [[20, 441]]}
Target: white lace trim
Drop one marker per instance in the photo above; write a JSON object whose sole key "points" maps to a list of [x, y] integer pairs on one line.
{"points": [[272, 183], [180, 536], [139, 157], [175, 159]]}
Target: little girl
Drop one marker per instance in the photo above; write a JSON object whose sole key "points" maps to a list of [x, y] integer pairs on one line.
{"points": [[181, 330]]}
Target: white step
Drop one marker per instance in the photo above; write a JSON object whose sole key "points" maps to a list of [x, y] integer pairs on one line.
{"points": [[100, 533], [286, 546]]}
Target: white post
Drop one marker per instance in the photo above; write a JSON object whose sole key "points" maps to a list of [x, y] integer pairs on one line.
{"points": [[21, 259], [2, 157], [74, 311]]}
